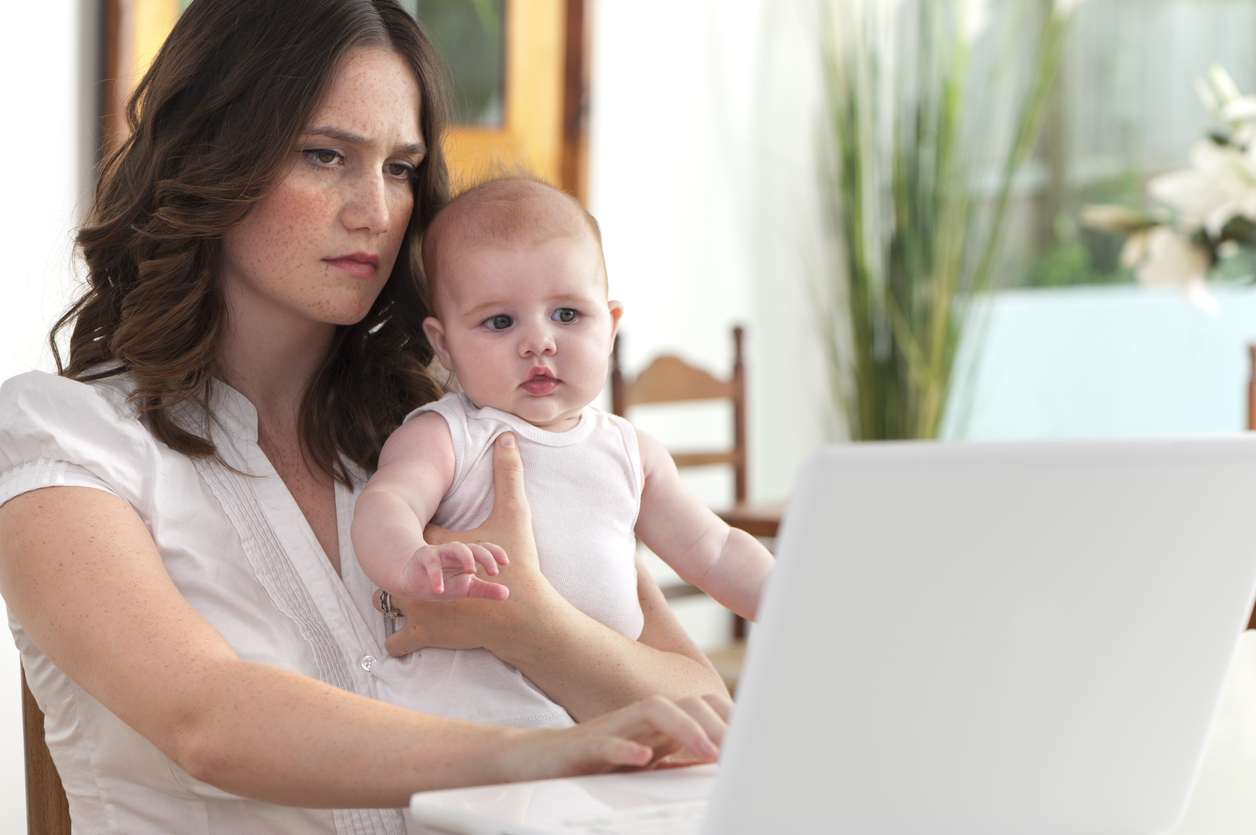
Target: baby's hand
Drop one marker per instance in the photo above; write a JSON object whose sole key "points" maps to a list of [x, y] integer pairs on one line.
{"points": [[447, 572]]}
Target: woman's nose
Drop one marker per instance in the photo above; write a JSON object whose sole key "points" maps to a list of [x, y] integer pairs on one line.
{"points": [[366, 205]]}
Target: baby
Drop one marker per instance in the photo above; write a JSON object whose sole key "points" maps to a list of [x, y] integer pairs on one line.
{"points": [[517, 281]]}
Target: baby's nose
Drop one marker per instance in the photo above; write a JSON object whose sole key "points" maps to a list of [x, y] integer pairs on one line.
{"points": [[538, 341]]}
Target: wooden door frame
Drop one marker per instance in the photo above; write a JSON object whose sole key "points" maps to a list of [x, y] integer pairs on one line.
{"points": [[134, 29]]}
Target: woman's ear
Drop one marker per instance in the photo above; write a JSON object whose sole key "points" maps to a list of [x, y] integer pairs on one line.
{"points": [[436, 335]]}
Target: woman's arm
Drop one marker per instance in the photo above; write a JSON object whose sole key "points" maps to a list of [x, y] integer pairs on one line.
{"points": [[84, 578], [577, 661]]}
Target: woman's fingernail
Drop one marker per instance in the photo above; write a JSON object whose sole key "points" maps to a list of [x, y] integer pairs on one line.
{"points": [[508, 440]]}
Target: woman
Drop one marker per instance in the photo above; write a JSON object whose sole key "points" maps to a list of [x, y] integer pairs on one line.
{"points": [[174, 545]]}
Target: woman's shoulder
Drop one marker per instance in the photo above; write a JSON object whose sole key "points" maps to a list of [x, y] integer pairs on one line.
{"points": [[42, 391], [51, 426], [37, 400]]}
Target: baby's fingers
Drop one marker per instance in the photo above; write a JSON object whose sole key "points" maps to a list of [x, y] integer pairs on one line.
{"points": [[435, 576], [489, 556], [483, 590]]}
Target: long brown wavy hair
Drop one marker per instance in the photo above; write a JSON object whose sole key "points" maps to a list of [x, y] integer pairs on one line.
{"points": [[213, 125]]}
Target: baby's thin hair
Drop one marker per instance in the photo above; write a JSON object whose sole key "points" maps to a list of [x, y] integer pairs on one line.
{"points": [[513, 208]]}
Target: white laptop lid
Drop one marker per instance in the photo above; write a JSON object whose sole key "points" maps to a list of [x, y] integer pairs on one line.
{"points": [[971, 638], [997, 638]]}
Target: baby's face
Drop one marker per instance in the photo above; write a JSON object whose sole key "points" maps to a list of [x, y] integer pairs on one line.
{"points": [[527, 329]]}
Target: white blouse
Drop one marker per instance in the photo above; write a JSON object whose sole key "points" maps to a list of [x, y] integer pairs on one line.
{"points": [[239, 549]]}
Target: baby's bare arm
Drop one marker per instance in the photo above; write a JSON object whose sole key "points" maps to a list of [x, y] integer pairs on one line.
{"points": [[726, 563], [416, 467]]}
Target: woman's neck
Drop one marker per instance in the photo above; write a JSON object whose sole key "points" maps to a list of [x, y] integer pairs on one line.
{"points": [[274, 369], [273, 365]]}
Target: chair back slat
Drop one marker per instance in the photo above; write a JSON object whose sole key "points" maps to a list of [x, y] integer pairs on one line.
{"points": [[670, 379], [706, 459], [47, 810]]}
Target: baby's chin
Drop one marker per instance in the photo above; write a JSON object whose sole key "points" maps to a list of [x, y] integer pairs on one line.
{"points": [[549, 422], [533, 410]]}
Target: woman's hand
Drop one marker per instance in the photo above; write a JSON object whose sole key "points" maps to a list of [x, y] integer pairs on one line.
{"points": [[641, 735], [469, 624], [583, 665]]}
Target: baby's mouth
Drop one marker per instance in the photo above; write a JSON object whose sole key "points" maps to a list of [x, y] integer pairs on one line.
{"points": [[541, 382]]}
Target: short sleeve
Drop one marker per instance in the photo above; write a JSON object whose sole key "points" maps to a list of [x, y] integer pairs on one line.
{"points": [[56, 432]]}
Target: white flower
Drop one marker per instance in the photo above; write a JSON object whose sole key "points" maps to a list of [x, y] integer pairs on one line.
{"points": [[1227, 90], [1198, 295], [1227, 105], [1219, 185], [1169, 260], [1135, 249], [1241, 109]]}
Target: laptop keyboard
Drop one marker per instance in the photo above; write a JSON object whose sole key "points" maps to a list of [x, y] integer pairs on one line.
{"points": [[670, 819]]}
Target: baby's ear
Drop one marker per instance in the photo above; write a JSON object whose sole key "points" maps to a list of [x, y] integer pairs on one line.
{"points": [[436, 336], [617, 310]]}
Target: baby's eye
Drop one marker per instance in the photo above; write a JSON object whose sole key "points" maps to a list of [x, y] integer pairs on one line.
{"points": [[323, 156], [565, 315], [499, 322]]}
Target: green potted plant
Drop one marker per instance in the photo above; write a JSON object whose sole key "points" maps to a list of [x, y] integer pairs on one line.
{"points": [[924, 134]]}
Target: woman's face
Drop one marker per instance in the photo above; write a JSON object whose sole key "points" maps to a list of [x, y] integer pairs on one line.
{"points": [[318, 248]]}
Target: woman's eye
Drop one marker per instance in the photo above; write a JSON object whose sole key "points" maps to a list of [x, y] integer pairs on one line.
{"points": [[324, 156], [499, 322], [564, 315], [400, 170]]}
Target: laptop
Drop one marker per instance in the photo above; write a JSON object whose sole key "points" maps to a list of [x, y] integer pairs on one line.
{"points": [[960, 638]]}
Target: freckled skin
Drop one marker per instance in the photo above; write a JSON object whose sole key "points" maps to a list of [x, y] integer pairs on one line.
{"points": [[275, 264], [348, 192]]}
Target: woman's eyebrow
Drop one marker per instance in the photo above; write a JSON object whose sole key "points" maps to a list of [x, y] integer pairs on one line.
{"points": [[417, 149]]}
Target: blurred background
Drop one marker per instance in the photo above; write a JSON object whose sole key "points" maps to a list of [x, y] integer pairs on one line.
{"points": [[699, 133]]}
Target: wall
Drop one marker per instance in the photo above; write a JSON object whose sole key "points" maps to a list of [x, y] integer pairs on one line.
{"points": [[48, 157], [701, 177]]}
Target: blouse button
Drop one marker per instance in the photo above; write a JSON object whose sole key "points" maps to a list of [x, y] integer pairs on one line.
{"points": [[368, 661]]}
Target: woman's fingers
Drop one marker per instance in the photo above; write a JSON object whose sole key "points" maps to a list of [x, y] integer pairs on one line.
{"points": [[510, 503], [721, 704], [623, 753], [665, 726], [638, 736], [707, 712]]}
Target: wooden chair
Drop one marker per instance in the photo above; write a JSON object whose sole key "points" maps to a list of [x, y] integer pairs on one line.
{"points": [[47, 811], [669, 379]]}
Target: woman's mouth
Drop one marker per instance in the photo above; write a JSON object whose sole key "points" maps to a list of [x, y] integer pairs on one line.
{"points": [[356, 264]]}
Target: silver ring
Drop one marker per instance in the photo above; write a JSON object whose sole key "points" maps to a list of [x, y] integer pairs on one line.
{"points": [[385, 606]]}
